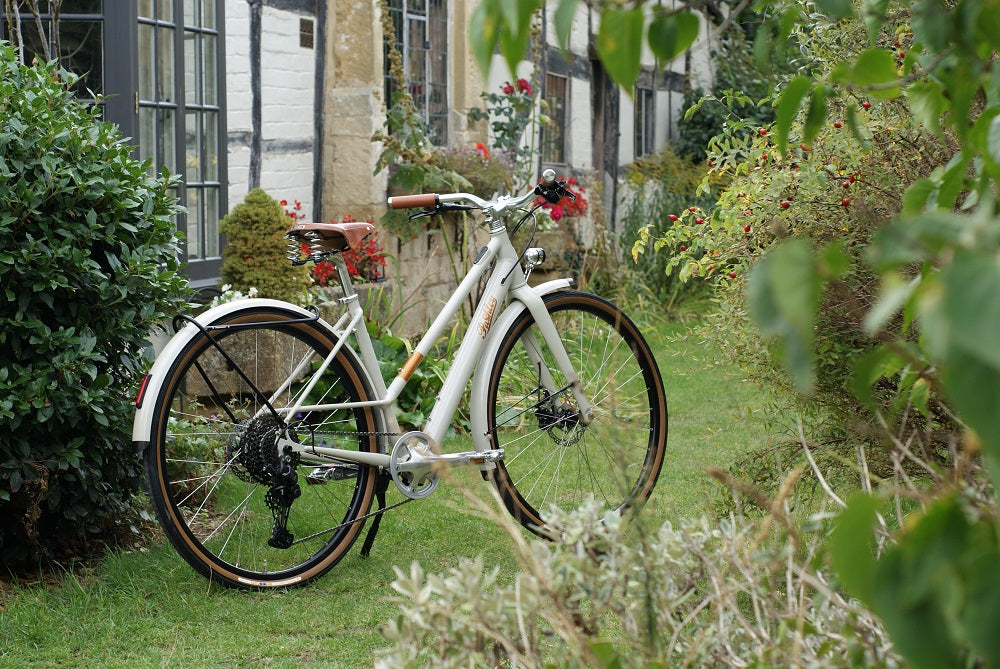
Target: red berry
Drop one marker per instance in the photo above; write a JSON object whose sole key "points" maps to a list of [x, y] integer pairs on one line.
{"points": [[785, 204], [846, 201], [672, 217], [711, 163], [691, 210], [851, 179], [866, 104], [761, 131], [805, 147], [837, 124], [846, 184], [763, 157], [732, 275], [699, 221], [902, 54], [684, 248], [711, 267]]}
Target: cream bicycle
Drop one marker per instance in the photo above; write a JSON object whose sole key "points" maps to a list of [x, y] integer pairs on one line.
{"points": [[268, 431]]}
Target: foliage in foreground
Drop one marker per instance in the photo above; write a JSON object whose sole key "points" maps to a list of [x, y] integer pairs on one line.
{"points": [[701, 594], [88, 267]]}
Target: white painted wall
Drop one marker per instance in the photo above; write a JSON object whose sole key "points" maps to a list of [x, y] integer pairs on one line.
{"points": [[287, 101], [581, 125]]}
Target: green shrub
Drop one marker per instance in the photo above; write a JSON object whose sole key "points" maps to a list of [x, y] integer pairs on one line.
{"points": [[88, 266], [658, 187], [841, 190], [701, 594], [255, 255]]}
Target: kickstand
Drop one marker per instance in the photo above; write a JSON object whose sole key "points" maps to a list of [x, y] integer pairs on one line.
{"points": [[381, 485]]}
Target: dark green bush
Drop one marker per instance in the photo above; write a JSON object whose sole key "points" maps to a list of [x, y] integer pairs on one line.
{"points": [[88, 266], [255, 255]]}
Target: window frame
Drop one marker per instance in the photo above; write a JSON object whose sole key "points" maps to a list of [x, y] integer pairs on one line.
{"points": [[644, 121], [204, 270], [426, 89], [558, 113]]}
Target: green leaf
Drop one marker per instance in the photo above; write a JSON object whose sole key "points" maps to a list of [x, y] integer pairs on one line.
{"points": [[564, 21], [915, 197], [762, 47], [868, 368], [670, 35], [873, 13], [838, 9], [788, 106], [483, 34], [928, 103], [852, 547], [972, 304], [894, 294], [783, 294], [619, 44], [606, 654], [875, 68], [816, 116], [931, 25], [993, 140]]}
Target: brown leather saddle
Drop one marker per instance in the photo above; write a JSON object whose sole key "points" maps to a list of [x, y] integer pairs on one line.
{"points": [[331, 237]]}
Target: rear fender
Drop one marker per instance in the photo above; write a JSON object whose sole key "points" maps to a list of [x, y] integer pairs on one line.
{"points": [[142, 425]]}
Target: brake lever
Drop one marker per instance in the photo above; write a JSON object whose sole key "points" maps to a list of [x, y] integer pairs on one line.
{"points": [[440, 209]]}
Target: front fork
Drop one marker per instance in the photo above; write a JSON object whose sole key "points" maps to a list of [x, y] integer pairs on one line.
{"points": [[536, 306]]}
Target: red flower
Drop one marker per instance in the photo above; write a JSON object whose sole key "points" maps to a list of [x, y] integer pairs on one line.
{"points": [[482, 150], [524, 86], [507, 88], [284, 203], [556, 213]]}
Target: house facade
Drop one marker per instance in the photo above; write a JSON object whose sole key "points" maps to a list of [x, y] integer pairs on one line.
{"points": [[286, 95]]}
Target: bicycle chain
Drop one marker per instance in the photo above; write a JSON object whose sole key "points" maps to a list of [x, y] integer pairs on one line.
{"points": [[360, 519], [368, 515]]}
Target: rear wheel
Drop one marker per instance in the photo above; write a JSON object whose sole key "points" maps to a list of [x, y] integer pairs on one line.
{"points": [[551, 458], [234, 507]]}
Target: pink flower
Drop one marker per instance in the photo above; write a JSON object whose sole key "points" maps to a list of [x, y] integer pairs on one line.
{"points": [[524, 86], [556, 213], [507, 88]]}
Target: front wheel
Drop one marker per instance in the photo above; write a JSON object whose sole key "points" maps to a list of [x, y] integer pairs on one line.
{"points": [[238, 510], [551, 457]]}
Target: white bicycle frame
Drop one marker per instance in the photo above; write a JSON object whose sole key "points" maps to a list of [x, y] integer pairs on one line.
{"points": [[474, 356]]}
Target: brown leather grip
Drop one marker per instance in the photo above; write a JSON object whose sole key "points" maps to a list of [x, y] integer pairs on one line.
{"points": [[411, 201]]}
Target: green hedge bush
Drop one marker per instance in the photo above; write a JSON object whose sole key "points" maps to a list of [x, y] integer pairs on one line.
{"points": [[88, 265]]}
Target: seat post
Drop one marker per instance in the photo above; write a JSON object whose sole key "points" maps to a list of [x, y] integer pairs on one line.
{"points": [[344, 277]]}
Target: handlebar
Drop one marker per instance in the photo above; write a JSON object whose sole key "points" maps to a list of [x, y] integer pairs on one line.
{"points": [[547, 187]]}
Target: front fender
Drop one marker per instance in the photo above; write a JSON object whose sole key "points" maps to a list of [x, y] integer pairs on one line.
{"points": [[481, 380], [143, 422]]}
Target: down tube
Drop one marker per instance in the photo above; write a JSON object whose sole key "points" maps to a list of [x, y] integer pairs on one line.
{"points": [[470, 351]]}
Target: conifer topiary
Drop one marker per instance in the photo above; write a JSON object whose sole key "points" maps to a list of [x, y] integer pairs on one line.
{"points": [[255, 255]]}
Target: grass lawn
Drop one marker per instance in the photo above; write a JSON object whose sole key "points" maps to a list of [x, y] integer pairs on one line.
{"points": [[148, 608]]}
